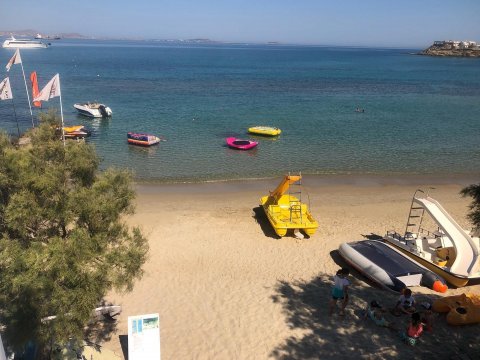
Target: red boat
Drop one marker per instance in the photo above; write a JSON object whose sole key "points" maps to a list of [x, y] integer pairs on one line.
{"points": [[142, 139], [240, 144]]}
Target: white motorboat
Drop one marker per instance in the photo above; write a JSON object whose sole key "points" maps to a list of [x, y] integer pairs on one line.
{"points": [[23, 44], [437, 242], [93, 109]]}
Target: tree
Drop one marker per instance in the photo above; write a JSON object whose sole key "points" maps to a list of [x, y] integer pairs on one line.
{"points": [[474, 214], [63, 244]]}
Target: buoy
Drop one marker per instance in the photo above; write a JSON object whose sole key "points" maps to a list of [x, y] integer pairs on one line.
{"points": [[434, 282], [439, 286]]}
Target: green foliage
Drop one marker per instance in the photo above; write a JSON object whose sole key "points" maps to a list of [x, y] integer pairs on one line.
{"points": [[63, 245], [474, 192]]}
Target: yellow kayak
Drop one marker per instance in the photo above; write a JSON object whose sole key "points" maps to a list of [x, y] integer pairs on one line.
{"points": [[285, 211], [68, 129], [265, 130]]}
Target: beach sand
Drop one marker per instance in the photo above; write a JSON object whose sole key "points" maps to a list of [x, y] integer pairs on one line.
{"points": [[226, 288]]}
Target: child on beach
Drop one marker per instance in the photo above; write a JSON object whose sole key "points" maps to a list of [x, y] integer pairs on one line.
{"points": [[405, 303], [414, 330], [375, 312], [427, 316], [340, 290]]}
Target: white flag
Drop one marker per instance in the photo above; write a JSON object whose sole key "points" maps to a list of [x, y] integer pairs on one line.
{"points": [[5, 89], [16, 59], [50, 90]]}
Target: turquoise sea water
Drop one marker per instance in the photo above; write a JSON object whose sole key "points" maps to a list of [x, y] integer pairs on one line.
{"points": [[422, 114]]}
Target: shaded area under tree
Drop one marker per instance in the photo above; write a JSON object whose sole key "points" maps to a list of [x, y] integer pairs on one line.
{"points": [[305, 305]]}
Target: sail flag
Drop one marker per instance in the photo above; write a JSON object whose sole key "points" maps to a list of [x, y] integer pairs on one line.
{"points": [[51, 90], [33, 79], [16, 59], [5, 89]]}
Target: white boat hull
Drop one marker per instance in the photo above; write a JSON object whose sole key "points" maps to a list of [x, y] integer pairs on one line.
{"points": [[23, 44], [443, 247], [93, 110]]}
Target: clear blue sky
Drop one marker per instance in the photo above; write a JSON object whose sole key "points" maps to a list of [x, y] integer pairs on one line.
{"points": [[399, 23]]}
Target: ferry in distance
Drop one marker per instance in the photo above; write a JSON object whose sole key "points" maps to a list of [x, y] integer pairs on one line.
{"points": [[23, 44]]}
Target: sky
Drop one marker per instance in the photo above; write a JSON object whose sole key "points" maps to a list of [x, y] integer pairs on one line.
{"points": [[383, 23]]}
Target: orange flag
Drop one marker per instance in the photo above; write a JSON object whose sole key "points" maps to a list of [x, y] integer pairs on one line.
{"points": [[33, 79]]}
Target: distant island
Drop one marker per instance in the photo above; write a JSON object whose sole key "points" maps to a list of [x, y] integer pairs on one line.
{"points": [[36, 34], [453, 48], [39, 35], [42, 36]]}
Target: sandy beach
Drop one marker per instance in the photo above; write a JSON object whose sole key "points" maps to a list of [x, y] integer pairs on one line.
{"points": [[227, 288]]}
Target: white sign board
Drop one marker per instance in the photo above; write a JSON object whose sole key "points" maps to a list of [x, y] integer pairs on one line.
{"points": [[2, 350], [144, 337]]}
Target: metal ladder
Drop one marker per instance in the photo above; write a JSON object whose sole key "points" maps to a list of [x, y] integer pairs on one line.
{"points": [[295, 205], [415, 217]]}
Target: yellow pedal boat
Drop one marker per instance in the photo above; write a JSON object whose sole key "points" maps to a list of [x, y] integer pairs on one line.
{"points": [[286, 211], [264, 130]]}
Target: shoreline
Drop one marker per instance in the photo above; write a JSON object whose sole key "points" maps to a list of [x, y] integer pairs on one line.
{"points": [[363, 180]]}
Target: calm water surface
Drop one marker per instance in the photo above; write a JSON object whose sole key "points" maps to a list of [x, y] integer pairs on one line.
{"points": [[421, 113]]}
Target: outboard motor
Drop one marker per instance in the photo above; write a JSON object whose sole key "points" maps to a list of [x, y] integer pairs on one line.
{"points": [[103, 110]]}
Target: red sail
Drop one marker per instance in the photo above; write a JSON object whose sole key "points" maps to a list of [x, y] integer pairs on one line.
{"points": [[35, 92]]}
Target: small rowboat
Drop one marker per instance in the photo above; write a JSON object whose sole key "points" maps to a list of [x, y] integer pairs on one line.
{"points": [[240, 144], [142, 139], [265, 130]]}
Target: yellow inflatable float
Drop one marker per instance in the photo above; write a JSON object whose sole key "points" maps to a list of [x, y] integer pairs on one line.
{"points": [[462, 309], [264, 130]]}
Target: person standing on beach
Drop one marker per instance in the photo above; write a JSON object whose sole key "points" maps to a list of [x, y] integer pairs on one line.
{"points": [[340, 291]]}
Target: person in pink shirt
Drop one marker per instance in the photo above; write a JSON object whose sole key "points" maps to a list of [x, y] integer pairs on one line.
{"points": [[414, 330]]}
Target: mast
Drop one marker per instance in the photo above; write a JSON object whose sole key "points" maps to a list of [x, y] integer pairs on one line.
{"points": [[61, 114], [26, 88], [16, 119]]}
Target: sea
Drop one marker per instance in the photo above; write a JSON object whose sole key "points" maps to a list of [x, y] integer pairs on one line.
{"points": [[421, 114]]}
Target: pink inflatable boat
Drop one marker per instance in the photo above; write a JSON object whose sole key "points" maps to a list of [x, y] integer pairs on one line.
{"points": [[240, 144]]}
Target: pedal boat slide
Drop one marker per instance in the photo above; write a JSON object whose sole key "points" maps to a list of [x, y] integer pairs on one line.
{"points": [[445, 248]]}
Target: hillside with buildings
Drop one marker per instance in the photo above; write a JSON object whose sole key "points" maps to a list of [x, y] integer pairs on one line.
{"points": [[29, 33], [453, 48]]}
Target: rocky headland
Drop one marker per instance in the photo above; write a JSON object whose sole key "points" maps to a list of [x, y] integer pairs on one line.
{"points": [[452, 48]]}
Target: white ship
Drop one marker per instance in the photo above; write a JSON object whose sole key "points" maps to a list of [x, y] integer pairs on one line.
{"points": [[23, 44]]}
